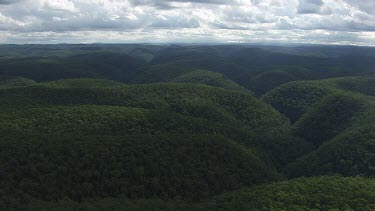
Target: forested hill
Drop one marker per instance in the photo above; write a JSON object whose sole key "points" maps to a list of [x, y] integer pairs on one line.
{"points": [[187, 127], [258, 68]]}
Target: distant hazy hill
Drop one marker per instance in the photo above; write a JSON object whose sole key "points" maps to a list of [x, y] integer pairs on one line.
{"points": [[95, 65], [257, 68]]}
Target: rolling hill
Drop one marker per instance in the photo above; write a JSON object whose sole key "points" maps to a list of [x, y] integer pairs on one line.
{"points": [[315, 193], [186, 127], [338, 123]]}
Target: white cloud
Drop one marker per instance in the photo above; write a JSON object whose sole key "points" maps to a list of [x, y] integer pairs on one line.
{"points": [[312, 21], [61, 5]]}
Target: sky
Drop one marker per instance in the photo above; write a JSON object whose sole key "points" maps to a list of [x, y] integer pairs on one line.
{"points": [[346, 22]]}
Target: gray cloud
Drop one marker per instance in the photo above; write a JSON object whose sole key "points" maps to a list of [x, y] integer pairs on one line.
{"points": [[187, 20], [223, 2], [367, 6], [309, 6], [167, 4], [8, 1], [175, 23]]}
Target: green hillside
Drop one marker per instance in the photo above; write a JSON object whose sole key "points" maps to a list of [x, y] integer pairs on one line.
{"points": [[201, 101], [350, 153], [91, 124], [187, 127], [315, 193], [114, 120], [364, 85], [176, 74], [338, 123], [78, 167], [85, 83], [209, 78], [295, 98], [258, 68], [330, 117], [12, 82], [109, 65], [268, 80]]}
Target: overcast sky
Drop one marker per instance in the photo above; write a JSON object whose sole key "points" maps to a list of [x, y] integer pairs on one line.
{"points": [[87, 21]]}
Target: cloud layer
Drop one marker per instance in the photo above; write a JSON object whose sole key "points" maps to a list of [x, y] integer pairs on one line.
{"points": [[290, 21]]}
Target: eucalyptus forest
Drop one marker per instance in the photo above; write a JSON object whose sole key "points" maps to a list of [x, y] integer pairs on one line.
{"points": [[187, 127]]}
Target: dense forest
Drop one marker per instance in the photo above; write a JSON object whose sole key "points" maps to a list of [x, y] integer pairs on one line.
{"points": [[187, 127]]}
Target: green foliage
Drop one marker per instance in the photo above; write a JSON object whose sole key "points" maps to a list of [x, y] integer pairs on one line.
{"points": [[209, 78], [253, 67], [284, 149], [174, 73], [316, 193], [142, 53], [364, 85], [327, 122], [134, 141], [295, 98], [351, 153], [12, 82], [268, 80], [158, 73], [115, 66], [206, 102], [329, 118], [82, 83], [120, 203], [89, 143], [113, 120], [143, 166]]}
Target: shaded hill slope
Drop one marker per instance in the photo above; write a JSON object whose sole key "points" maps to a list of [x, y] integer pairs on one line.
{"points": [[334, 116]]}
